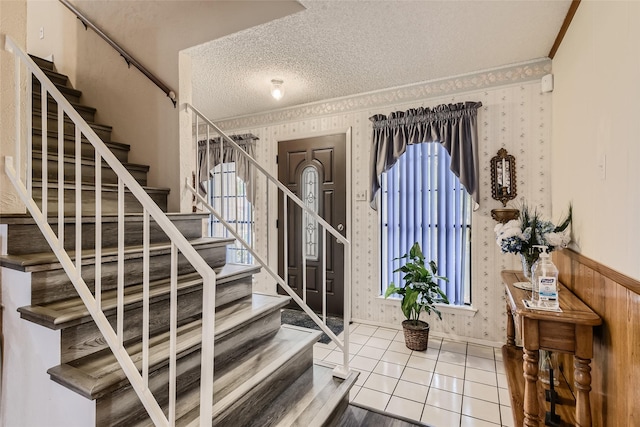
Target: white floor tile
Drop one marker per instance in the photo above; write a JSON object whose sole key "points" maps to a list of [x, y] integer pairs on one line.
{"points": [[320, 352], [504, 397], [449, 369], [362, 378], [357, 338], [506, 414], [363, 363], [443, 382], [429, 353], [480, 376], [395, 357], [416, 376], [481, 363], [481, 409], [474, 422], [389, 369], [354, 348], [421, 363], [500, 367], [399, 337], [381, 383], [435, 342], [365, 330], [502, 381], [438, 417], [336, 357], [497, 354], [387, 334], [481, 391], [371, 352], [411, 391], [330, 345], [455, 346], [378, 343], [444, 399], [353, 326], [353, 392], [372, 399], [399, 347], [405, 408], [480, 351], [451, 357]]}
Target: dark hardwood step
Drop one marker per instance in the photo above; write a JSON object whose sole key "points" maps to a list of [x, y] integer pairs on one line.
{"points": [[121, 151], [56, 78], [103, 131], [244, 389], [87, 113], [72, 95], [63, 314], [312, 400], [44, 64], [24, 237], [49, 282], [88, 169], [94, 375], [109, 198]]}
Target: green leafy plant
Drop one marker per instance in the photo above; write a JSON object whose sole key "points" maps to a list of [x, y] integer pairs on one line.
{"points": [[421, 291]]}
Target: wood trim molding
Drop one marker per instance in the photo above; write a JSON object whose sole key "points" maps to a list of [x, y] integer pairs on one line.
{"points": [[565, 26], [626, 281]]}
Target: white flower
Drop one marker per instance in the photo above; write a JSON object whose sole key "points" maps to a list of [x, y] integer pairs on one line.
{"points": [[558, 240]]}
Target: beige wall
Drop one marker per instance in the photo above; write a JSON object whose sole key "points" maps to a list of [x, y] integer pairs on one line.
{"points": [[516, 116], [13, 22], [595, 121], [153, 32]]}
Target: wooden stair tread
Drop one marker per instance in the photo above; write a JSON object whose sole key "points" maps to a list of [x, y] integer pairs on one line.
{"points": [[26, 218], [254, 368], [63, 313], [70, 137], [86, 161], [105, 187], [310, 400], [54, 116], [62, 88], [48, 260], [38, 96], [93, 374]]}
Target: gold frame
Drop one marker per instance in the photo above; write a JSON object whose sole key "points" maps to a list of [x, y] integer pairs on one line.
{"points": [[503, 177]]}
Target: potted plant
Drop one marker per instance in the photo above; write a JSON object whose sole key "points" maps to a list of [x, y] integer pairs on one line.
{"points": [[420, 292]]}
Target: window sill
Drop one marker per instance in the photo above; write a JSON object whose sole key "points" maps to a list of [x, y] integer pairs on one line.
{"points": [[462, 310]]}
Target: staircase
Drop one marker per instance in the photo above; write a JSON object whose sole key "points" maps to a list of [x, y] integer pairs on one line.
{"points": [[264, 371]]}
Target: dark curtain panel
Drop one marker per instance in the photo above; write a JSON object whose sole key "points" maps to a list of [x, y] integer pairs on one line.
{"points": [[452, 125], [209, 158]]}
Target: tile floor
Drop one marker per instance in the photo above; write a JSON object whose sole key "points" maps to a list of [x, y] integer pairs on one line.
{"points": [[450, 384]]}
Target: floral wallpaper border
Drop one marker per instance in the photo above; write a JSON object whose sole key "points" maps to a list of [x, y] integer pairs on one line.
{"points": [[513, 74]]}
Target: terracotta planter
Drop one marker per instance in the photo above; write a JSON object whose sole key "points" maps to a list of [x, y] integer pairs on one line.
{"points": [[416, 337]]}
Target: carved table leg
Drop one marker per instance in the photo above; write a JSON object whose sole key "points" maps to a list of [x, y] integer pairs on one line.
{"points": [[511, 330], [582, 379], [530, 368]]}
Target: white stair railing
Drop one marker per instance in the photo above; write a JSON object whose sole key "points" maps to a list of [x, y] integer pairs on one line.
{"points": [[265, 183], [137, 372]]}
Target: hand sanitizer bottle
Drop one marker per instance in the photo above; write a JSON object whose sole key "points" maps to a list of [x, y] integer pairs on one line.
{"points": [[545, 281]]}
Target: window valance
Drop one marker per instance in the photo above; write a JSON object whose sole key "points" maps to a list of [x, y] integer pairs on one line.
{"points": [[452, 125]]}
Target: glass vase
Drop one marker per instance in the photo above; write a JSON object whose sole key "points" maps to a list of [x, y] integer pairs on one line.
{"points": [[527, 262]]}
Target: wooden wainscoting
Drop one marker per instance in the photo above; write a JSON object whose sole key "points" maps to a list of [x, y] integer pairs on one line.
{"points": [[615, 395]]}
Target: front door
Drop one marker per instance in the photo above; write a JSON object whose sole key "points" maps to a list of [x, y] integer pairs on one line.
{"points": [[314, 169]]}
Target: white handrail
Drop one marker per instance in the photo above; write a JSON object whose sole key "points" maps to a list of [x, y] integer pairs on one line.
{"points": [[150, 209], [340, 371]]}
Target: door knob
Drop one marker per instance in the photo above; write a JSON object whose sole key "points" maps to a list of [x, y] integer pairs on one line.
{"points": [[340, 227]]}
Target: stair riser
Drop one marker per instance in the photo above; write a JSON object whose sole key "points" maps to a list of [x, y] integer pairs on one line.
{"points": [[109, 201], [27, 239], [59, 79], [85, 339], [54, 285], [42, 63], [87, 172], [104, 133], [86, 149], [52, 106], [252, 404], [71, 95]]}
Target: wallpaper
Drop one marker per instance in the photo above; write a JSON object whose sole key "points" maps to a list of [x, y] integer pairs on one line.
{"points": [[515, 115]]}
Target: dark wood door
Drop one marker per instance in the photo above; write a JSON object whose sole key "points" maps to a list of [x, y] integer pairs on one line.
{"points": [[314, 169]]}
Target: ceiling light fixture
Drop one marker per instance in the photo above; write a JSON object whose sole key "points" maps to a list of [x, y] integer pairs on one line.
{"points": [[277, 89]]}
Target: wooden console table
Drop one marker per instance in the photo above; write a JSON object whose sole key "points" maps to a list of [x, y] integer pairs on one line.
{"points": [[570, 331]]}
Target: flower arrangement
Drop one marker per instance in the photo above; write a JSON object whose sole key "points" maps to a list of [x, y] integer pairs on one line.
{"points": [[518, 236]]}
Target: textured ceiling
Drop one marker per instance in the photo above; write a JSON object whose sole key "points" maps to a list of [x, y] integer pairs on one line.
{"points": [[340, 48]]}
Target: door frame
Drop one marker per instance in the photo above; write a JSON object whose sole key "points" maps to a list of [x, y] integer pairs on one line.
{"points": [[349, 194]]}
